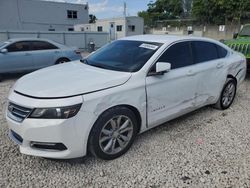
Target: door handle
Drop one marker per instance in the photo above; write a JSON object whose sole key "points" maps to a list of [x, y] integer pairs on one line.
{"points": [[219, 65], [191, 73], [27, 54]]}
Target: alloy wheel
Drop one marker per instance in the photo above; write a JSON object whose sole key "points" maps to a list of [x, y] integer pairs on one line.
{"points": [[228, 94], [116, 134]]}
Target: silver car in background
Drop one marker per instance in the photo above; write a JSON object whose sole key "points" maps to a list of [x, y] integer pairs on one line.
{"points": [[25, 55]]}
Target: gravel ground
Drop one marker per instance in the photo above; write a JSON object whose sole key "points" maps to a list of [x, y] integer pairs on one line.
{"points": [[207, 148]]}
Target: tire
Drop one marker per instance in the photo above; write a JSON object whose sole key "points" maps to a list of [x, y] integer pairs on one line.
{"points": [[61, 61], [1, 77], [227, 95], [113, 133]]}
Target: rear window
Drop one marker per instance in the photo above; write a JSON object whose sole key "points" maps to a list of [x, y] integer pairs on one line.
{"points": [[41, 45], [204, 51], [222, 52]]}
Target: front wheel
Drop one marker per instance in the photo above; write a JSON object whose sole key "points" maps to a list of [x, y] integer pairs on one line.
{"points": [[227, 95], [61, 61], [113, 133]]}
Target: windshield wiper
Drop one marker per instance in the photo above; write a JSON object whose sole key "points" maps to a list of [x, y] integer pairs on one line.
{"points": [[99, 66]]}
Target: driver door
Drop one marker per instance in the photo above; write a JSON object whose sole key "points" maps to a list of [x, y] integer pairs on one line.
{"points": [[18, 58], [173, 93]]}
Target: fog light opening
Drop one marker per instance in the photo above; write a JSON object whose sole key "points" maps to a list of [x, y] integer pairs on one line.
{"points": [[48, 146]]}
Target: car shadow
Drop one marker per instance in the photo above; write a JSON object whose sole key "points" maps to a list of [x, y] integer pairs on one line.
{"points": [[7, 77]]}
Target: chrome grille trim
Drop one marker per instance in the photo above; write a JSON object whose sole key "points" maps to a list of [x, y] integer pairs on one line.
{"points": [[18, 113], [243, 48]]}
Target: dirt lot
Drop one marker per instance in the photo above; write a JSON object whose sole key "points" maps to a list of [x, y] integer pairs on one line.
{"points": [[207, 148]]}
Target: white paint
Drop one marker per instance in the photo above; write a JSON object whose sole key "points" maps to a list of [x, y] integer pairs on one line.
{"points": [[222, 28], [157, 98]]}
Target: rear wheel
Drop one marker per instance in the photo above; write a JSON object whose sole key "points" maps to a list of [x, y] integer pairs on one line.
{"points": [[1, 77], [113, 133], [62, 60], [227, 95]]}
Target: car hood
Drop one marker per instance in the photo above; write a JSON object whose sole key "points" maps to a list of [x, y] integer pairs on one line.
{"points": [[69, 79], [239, 40]]}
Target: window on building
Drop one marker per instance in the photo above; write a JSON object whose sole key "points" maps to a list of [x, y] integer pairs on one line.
{"points": [[119, 28], [72, 14], [70, 29], [99, 28], [51, 29], [131, 28]]}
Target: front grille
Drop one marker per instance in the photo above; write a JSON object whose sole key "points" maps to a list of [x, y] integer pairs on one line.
{"points": [[18, 113], [243, 48]]}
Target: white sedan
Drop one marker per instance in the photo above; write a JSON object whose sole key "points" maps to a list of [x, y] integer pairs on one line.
{"points": [[125, 88]]}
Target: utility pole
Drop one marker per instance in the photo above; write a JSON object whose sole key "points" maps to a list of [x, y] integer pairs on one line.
{"points": [[125, 9]]}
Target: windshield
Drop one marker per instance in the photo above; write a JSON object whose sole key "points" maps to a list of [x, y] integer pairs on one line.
{"points": [[245, 31], [3, 43], [123, 55]]}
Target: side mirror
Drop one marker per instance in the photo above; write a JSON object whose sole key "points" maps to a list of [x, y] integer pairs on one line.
{"points": [[162, 67], [235, 35], [4, 51]]}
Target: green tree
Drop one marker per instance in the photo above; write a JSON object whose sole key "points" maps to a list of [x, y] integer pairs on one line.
{"points": [[161, 10], [220, 11]]}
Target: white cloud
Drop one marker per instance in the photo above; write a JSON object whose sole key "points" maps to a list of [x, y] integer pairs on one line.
{"points": [[100, 7], [70, 1], [104, 6]]}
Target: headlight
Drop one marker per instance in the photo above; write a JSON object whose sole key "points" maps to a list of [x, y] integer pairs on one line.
{"points": [[56, 113]]}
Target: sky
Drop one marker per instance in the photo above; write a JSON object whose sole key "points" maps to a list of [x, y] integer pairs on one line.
{"points": [[111, 8]]}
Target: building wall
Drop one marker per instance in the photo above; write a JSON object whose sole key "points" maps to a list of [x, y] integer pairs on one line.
{"points": [[76, 39], [125, 23], [40, 15], [138, 22]]}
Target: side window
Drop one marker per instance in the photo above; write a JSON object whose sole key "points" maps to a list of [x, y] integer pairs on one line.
{"points": [[19, 47], [179, 55], [204, 51], [40, 45], [222, 52]]}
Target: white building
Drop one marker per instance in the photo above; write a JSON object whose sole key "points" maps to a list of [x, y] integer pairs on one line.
{"points": [[116, 27], [41, 15]]}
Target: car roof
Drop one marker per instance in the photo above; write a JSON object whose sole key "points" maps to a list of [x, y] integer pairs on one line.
{"points": [[28, 39], [166, 39]]}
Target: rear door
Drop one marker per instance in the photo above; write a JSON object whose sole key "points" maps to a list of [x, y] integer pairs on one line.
{"points": [[173, 93], [44, 54], [211, 74], [17, 59]]}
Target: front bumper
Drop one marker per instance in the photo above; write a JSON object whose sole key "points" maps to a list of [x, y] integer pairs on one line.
{"points": [[67, 137], [32, 131]]}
